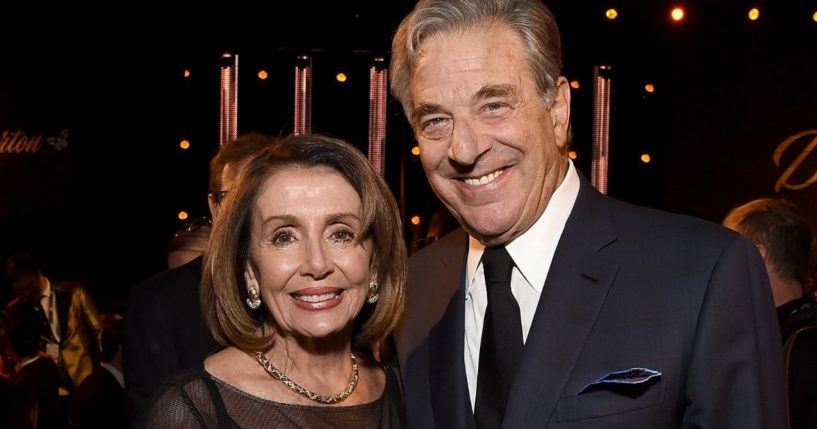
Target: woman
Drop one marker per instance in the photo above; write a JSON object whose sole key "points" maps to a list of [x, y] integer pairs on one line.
{"points": [[304, 274]]}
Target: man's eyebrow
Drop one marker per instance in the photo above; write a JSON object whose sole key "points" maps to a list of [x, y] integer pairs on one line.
{"points": [[425, 109], [490, 91]]}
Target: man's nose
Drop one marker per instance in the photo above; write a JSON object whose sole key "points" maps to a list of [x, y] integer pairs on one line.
{"points": [[466, 145]]}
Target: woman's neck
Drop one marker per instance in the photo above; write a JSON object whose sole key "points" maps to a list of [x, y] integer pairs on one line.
{"points": [[326, 360]]}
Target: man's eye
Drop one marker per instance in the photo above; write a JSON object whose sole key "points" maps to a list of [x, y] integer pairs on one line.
{"points": [[436, 128], [433, 122], [493, 107]]}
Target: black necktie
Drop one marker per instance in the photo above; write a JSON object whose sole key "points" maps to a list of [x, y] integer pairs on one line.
{"points": [[501, 346]]}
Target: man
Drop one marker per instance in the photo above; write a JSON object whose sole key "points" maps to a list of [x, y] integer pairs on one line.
{"points": [[69, 326], [786, 240], [630, 318], [189, 242], [70, 329], [36, 379], [100, 400], [165, 329]]}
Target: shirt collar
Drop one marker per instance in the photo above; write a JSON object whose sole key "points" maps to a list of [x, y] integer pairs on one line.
{"points": [[47, 291], [25, 362], [117, 374], [527, 249]]}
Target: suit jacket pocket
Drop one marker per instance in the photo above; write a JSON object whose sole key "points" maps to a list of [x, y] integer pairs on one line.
{"points": [[610, 400]]}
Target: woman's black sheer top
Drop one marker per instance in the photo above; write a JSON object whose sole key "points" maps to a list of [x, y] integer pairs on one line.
{"points": [[196, 399]]}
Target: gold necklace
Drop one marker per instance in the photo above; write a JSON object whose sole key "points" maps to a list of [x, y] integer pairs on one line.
{"points": [[295, 387]]}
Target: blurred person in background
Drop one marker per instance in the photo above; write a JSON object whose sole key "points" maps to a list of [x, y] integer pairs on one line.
{"points": [[188, 243], [165, 329], [69, 326], [786, 239], [36, 379], [100, 400]]}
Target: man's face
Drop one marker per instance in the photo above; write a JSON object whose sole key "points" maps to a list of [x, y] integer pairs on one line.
{"points": [[492, 149], [229, 176], [28, 287]]}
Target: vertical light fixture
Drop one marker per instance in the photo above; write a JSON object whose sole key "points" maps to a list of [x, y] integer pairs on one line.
{"points": [[601, 127], [228, 127], [378, 88], [303, 95]]}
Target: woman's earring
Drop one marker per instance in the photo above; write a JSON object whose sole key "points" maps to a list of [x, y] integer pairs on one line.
{"points": [[374, 288], [254, 300]]}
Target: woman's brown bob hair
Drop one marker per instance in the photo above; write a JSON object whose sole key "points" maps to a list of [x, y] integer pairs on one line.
{"points": [[223, 289]]}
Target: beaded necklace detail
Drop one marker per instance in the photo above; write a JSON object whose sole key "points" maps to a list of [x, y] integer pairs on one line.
{"points": [[295, 387]]}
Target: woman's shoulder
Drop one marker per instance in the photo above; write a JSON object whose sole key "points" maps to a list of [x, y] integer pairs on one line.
{"points": [[392, 370], [393, 405], [178, 401]]}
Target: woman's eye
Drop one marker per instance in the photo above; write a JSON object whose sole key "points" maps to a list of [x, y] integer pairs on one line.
{"points": [[343, 237], [282, 238]]}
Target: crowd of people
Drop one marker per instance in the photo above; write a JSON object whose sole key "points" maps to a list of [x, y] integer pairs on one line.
{"points": [[549, 305]]}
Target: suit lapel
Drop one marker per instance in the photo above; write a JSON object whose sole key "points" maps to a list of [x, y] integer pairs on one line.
{"points": [[447, 382], [574, 292], [63, 297]]}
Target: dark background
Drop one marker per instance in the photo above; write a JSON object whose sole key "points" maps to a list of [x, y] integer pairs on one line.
{"points": [[728, 92]]}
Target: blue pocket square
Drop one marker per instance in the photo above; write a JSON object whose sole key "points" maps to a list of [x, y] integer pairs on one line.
{"points": [[624, 377]]}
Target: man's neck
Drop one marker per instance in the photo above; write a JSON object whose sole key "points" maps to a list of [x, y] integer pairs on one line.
{"points": [[784, 290]]}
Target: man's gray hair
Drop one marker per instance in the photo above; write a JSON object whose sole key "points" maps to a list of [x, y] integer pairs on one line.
{"points": [[530, 19]]}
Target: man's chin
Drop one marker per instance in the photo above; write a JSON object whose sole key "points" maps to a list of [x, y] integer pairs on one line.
{"points": [[490, 236]]}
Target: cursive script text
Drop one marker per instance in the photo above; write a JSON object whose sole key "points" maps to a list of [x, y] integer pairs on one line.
{"points": [[19, 142]]}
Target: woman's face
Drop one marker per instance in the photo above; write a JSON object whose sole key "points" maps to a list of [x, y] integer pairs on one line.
{"points": [[312, 272]]}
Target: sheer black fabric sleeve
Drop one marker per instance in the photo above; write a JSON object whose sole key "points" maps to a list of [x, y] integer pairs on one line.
{"points": [[182, 402], [198, 400]]}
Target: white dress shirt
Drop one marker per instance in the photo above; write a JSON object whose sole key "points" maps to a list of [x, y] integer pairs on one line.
{"points": [[49, 304], [532, 253]]}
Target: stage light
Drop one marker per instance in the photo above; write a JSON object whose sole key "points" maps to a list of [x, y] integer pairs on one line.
{"points": [[572, 154], [182, 215], [186, 73], [341, 77], [415, 220], [814, 17], [184, 144], [677, 14], [263, 75], [611, 14], [649, 88], [415, 151], [645, 158], [754, 13], [574, 84]]}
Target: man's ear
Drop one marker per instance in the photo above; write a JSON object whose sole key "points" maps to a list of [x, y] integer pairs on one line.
{"points": [[763, 251], [560, 112], [211, 202]]}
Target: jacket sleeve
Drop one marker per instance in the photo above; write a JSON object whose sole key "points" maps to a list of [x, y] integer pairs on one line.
{"points": [[735, 377], [149, 352], [90, 317]]}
